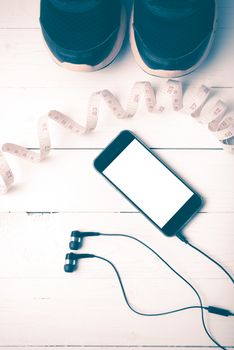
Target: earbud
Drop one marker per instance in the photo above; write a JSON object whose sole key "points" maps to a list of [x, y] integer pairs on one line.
{"points": [[77, 238], [71, 261]]}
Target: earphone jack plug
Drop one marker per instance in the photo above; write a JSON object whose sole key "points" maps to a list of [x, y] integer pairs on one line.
{"points": [[219, 311]]}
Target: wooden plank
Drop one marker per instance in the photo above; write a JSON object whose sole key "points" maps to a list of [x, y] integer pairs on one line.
{"points": [[20, 14], [25, 13], [45, 293], [36, 245], [67, 181], [22, 107], [111, 347], [25, 62], [80, 312]]}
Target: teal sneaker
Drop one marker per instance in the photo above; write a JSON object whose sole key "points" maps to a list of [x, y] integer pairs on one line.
{"points": [[83, 35], [171, 38]]}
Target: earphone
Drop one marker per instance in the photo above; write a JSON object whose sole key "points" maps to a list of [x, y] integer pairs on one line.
{"points": [[77, 238], [71, 261], [71, 264]]}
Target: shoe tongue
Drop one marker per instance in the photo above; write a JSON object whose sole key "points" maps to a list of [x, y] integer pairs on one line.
{"points": [[76, 5], [173, 9]]}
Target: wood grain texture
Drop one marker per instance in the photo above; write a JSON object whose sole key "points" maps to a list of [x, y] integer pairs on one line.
{"points": [[111, 347], [25, 13], [166, 130], [40, 306], [24, 61], [51, 307], [38, 242], [67, 181]]}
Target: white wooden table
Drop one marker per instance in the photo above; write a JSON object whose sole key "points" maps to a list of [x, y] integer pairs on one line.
{"points": [[40, 306]]}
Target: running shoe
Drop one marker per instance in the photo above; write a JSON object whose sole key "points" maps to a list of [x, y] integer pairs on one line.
{"points": [[171, 38], [83, 35]]}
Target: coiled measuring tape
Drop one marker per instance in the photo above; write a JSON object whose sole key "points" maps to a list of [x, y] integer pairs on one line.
{"points": [[168, 95]]}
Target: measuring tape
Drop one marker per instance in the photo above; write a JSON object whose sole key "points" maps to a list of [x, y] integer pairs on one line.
{"points": [[169, 95]]}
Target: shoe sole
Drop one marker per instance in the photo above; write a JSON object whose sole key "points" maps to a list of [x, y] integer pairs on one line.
{"points": [[169, 73], [110, 58]]}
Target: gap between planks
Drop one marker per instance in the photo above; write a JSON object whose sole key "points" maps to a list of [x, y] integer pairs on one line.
{"points": [[106, 347]]}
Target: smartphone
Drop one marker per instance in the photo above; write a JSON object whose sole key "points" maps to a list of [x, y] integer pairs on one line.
{"points": [[148, 183]]}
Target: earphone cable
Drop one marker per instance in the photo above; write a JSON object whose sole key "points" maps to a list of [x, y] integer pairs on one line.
{"points": [[214, 261], [173, 270], [139, 312], [186, 241]]}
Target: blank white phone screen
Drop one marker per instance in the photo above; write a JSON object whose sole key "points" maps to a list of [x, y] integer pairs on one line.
{"points": [[148, 183]]}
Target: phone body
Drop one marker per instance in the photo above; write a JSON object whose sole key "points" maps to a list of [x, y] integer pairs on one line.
{"points": [[148, 183]]}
